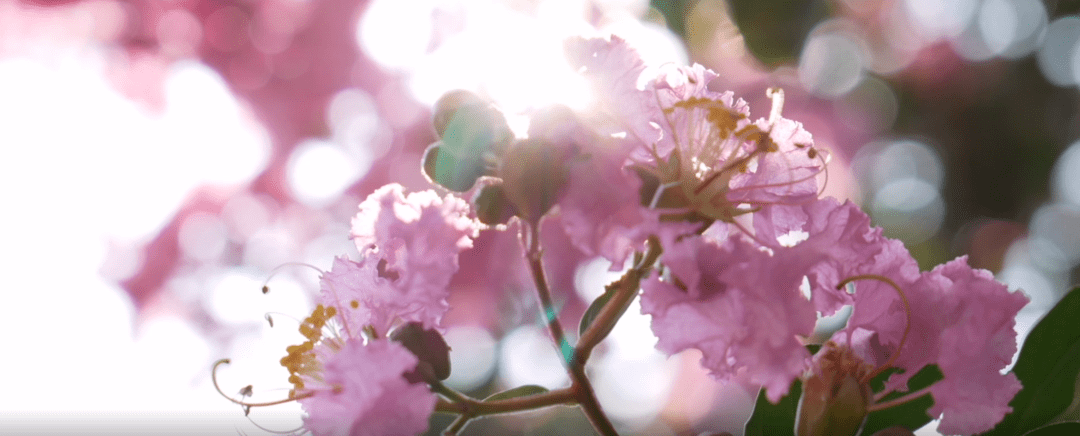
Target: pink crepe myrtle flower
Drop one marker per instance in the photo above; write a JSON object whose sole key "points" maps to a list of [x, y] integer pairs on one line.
{"points": [[954, 316], [842, 242], [409, 248], [737, 297], [362, 391], [963, 321], [601, 209], [708, 158], [613, 68], [421, 221], [352, 384], [739, 305]]}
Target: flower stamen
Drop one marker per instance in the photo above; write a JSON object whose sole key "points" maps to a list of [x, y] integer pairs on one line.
{"points": [[907, 313], [247, 405], [277, 269]]}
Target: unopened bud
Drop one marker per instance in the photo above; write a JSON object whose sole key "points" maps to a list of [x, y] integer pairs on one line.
{"points": [[835, 399], [429, 347], [534, 173], [473, 135], [449, 104], [492, 207]]}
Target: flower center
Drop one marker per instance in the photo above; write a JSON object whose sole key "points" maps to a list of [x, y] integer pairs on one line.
{"points": [[301, 359]]}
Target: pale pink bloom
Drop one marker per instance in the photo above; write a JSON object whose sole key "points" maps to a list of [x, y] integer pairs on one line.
{"points": [[361, 391], [963, 321], [601, 209], [786, 175], [371, 293], [422, 221], [724, 163], [599, 201], [613, 68], [702, 147], [409, 250], [738, 304], [841, 242], [697, 121]]}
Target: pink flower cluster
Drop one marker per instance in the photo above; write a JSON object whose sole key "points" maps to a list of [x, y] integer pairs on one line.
{"points": [[748, 286], [349, 377], [751, 258]]}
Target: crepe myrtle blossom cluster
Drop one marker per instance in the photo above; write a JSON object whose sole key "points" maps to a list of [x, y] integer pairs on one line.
{"points": [[732, 252]]}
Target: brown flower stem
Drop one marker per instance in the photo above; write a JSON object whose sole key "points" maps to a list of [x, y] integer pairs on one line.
{"points": [[626, 290], [586, 398], [449, 393], [456, 426], [474, 408], [543, 293], [581, 387]]}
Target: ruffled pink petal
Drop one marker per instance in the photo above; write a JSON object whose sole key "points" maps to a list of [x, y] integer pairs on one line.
{"points": [[741, 307], [977, 316], [842, 243], [409, 247], [613, 69], [961, 320], [601, 209], [362, 392]]}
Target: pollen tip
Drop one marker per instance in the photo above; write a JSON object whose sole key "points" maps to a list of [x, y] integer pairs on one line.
{"points": [[777, 96]]}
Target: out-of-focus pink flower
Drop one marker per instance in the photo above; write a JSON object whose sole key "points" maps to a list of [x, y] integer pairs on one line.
{"points": [[361, 390], [409, 247], [739, 305], [613, 69]]}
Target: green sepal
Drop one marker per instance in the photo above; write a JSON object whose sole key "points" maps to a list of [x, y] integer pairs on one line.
{"points": [[594, 309]]}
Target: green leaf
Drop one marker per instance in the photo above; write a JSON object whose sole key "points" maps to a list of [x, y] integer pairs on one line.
{"points": [[1047, 367], [520, 391], [912, 414], [594, 310], [1059, 429], [777, 419], [775, 31], [674, 12]]}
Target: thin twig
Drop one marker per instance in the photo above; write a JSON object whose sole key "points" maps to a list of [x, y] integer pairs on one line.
{"points": [[456, 426], [628, 287], [475, 408], [582, 389], [543, 292]]}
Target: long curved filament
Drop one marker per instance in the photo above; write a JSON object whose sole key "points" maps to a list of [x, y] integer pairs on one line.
{"points": [[907, 312]]}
